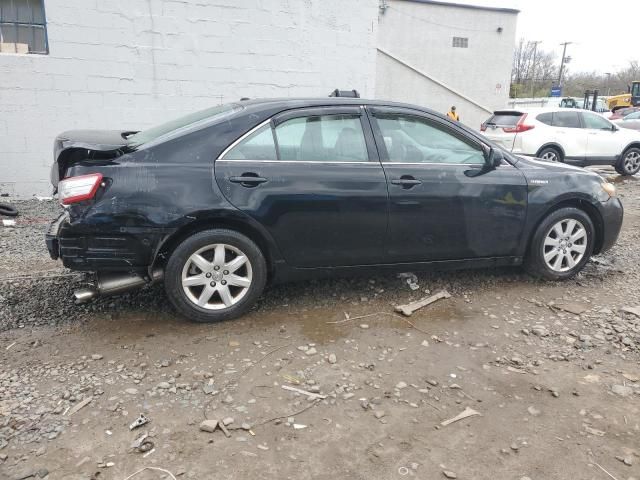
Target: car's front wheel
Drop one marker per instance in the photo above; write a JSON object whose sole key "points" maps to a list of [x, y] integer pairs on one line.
{"points": [[215, 275], [561, 245], [629, 162]]}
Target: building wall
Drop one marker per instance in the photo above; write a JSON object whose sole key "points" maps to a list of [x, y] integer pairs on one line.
{"points": [[128, 64], [420, 36]]}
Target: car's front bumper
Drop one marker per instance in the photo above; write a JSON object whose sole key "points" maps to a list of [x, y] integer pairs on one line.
{"points": [[612, 213]]}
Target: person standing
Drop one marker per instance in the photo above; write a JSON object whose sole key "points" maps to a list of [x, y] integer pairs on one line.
{"points": [[452, 114]]}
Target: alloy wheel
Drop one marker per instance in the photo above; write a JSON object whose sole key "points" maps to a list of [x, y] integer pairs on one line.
{"points": [[217, 276], [565, 245], [550, 156], [632, 161]]}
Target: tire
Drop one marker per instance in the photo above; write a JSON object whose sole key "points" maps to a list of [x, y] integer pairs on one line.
{"points": [[579, 249], [224, 293], [550, 154], [629, 163], [8, 210]]}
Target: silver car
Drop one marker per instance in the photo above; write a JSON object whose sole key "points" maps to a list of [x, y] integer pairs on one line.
{"points": [[631, 121]]}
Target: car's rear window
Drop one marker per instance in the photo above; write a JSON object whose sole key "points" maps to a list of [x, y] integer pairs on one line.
{"points": [[192, 120], [506, 119]]}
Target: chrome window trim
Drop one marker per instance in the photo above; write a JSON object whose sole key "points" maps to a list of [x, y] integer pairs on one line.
{"points": [[226, 150], [366, 162]]}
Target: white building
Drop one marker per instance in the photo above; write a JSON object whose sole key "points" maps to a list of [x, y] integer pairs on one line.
{"points": [[442, 54], [127, 64]]}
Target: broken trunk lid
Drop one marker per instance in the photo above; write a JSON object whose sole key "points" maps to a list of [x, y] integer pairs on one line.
{"points": [[81, 145]]}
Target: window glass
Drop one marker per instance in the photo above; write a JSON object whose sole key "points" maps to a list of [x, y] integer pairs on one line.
{"points": [[635, 90], [591, 120], [566, 120], [632, 116], [257, 146], [192, 120], [504, 119], [322, 138], [546, 118], [22, 27], [412, 140]]}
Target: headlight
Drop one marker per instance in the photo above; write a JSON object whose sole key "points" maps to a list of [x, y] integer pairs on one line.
{"points": [[609, 189]]}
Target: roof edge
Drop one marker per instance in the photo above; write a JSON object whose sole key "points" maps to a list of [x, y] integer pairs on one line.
{"points": [[463, 5]]}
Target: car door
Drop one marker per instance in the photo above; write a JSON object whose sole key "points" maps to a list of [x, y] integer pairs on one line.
{"points": [[603, 145], [313, 179], [442, 205], [569, 134]]}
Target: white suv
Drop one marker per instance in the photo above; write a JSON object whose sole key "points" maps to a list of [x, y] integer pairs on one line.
{"points": [[580, 137]]}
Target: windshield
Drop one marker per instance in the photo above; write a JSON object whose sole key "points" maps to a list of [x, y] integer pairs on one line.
{"points": [[635, 90], [189, 121]]}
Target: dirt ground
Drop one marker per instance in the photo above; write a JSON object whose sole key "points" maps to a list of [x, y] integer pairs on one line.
{"points": [[557, 393]]}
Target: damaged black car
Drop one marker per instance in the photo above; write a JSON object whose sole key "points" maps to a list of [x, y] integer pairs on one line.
{"points": [[220, 203]]}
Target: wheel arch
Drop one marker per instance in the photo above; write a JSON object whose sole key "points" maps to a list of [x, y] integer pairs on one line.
{"points": [[634, 144], [580, 204], [260, 238], [552, 145]]}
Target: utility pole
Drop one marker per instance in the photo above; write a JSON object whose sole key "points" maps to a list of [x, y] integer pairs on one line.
{"points": [[564, 54], [533, 68]]}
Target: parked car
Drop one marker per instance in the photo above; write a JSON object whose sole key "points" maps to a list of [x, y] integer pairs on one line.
{"points": [[575, 136], [622, 112], [223, 201], [632, 121]]}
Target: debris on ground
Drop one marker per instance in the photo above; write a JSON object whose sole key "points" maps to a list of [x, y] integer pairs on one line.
{"points": [[411, 279], [311, 395], [466, 413], [408, 309], [138, 422], [80, 406], [633, 310]]}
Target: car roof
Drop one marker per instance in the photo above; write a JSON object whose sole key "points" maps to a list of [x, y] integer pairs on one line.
{"points": [[287, 103]]}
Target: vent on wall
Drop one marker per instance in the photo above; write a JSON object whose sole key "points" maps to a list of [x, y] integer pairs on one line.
{"points": [[460, 42]]}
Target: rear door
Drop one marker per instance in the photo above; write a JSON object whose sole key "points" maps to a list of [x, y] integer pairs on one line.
{"points": [[313, 179], [440, 210], [567, 132], [603, 143], [501, 129]]}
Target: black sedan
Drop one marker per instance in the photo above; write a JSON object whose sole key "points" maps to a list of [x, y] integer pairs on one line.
{"points": [[222, 201]]}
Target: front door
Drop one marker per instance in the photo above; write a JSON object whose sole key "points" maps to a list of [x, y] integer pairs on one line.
{"points": [[438, 209], [312, 178], [603, 144]]}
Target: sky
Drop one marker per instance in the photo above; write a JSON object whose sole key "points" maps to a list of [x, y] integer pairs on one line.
{"points": [[605, 37]]}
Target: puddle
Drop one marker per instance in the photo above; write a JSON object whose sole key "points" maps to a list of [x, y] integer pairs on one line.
{"points": [[316, 325]]}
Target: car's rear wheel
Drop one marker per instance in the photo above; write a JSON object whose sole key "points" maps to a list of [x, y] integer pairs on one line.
{"points": [[629, 162], [561, 245], [550, 154], [215, 275]]}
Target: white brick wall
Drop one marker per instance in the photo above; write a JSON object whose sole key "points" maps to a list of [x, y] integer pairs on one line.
{"points": [[133, 63], [421, 35]]}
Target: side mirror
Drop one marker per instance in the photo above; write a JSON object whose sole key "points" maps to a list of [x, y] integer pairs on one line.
{"points": [[614, 128], [494, 158]]}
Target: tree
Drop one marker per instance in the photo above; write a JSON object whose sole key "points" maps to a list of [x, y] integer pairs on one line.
{"points": [[533, 70]]}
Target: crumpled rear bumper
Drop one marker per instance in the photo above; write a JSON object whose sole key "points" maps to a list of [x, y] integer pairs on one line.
{"points": [[95, 250]]}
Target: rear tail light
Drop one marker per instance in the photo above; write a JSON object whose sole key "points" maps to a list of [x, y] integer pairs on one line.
{"points": [[78, 189], [519, 127], [483, 127]]}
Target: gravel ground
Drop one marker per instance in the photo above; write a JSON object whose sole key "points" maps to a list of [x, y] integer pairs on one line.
{"points": [[552, 368]]}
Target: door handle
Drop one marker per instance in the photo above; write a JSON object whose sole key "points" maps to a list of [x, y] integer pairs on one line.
{"points": [[406, 181], [248, 180]]}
